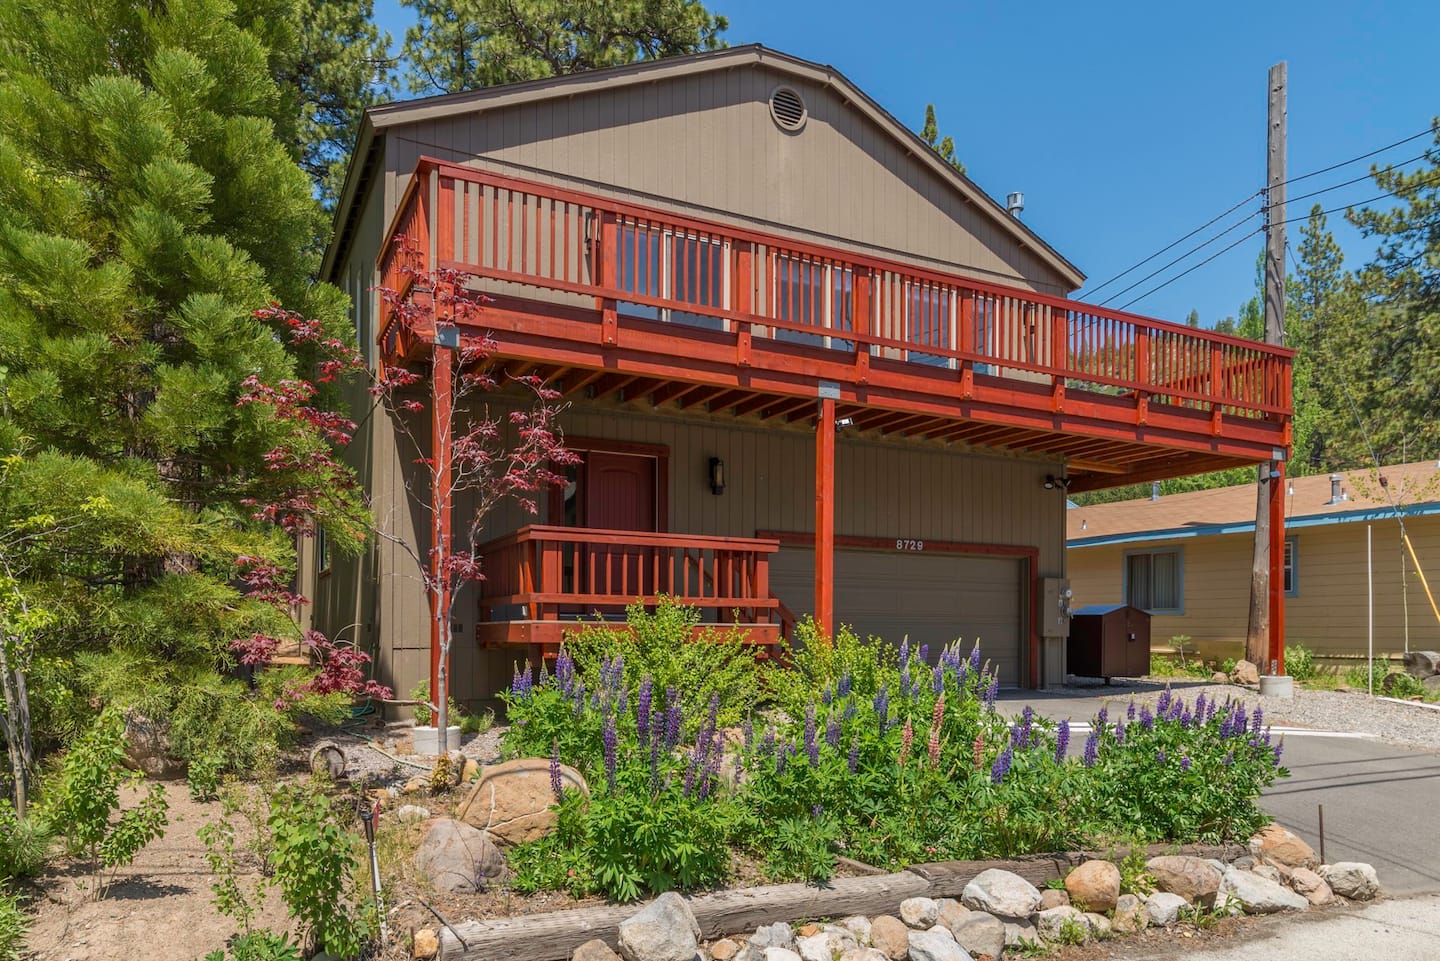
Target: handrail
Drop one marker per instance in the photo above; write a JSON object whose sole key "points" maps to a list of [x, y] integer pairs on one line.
{"points": [[509, 230], [595, 535]]}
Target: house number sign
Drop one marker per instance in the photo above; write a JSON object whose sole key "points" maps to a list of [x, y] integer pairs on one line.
{"points": [[909, 544]]}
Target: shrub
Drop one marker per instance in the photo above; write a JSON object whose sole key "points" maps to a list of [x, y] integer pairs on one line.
{"points": [[24, 843], [477, 723], [1403, 685], [261, 945], [13, 924], [1361, 674], [1300, 662], [314, 860], [203, 777], [425, 715]]}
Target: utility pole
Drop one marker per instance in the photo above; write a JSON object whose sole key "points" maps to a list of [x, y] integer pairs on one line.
{"points": [[1264, 642]]}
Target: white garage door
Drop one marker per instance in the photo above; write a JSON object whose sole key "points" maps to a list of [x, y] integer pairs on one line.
{"points": [[933, 598]]}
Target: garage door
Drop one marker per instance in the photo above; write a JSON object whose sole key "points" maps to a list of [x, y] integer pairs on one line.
{"points": [[933, 598]]}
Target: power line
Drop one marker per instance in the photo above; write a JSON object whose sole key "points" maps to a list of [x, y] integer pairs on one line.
{"points": [[1190, 269], [1356, 180], [1431, 181], [1428, 131], [1192, 250]]}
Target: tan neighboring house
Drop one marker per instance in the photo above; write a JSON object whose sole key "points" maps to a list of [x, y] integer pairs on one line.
{"points": [[811, 368], [1186, 558]]}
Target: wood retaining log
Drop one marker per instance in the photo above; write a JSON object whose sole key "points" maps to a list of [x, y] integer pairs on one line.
{"points": [[555, 935]]}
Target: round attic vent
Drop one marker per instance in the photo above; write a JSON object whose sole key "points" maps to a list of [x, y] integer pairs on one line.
{"points": [[787, 109]]}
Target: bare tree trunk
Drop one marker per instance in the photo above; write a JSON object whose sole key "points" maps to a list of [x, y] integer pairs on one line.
{"points": [[18, 742], [1257, 634]]}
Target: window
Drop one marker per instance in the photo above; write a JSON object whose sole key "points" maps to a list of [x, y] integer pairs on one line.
{"points": [[1292, 583], [656, 262], [1153, 581]]}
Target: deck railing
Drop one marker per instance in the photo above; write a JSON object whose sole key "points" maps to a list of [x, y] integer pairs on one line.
{"points": [[555, 574], [639, 262]]}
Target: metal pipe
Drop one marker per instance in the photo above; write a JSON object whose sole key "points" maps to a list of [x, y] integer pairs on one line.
{"points": [[367, 818], [1370, 594], [1322, 834]]}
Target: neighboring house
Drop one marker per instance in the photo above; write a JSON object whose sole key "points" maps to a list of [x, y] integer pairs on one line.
{"points": [[1186, 558], [812, 368]]}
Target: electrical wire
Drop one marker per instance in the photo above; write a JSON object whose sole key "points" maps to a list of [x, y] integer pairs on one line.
{"points": [[1428, 131], [1193, 250], [1432, 181], [1347, 183], [1192, 268]]}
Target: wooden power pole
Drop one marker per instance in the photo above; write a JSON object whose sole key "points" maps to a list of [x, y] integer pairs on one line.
{"points": [[1264, 640]]}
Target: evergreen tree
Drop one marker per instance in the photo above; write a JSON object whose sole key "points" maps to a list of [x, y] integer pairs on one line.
{"points": [[944, 146], [465, 44], [149, 205], [1193, 318]]}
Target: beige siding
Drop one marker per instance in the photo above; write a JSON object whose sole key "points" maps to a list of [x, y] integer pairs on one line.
{"points": [[1329, 611], [706, 145]]}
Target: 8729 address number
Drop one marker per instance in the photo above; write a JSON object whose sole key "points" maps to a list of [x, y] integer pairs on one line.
{"points": [[909, 544]]}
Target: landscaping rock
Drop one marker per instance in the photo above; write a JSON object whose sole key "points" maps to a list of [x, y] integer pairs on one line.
{"points": [[1163, 908], [890, 937], [512, 800], [1352, 879], [1001, 893], [1245, 673], [777, 935], [1311, 886], [951, 912], [980, 933], [1422, 664], [1269, 872], [1131, 916], [458, 858], [1101, 928], [426, 945], [1021, 933], [936, 944], [806, 930], [411, 813], [1051, 898], [780, 954], [859, 926], [1259, 895], [417, 785], [147, 749], [1194, 880], [596, 950], [1432, 685], [863, 954], [825, 944], [1220, 677], [919, 913], [665, 930], [1095, 885], [1279, 845], [470, 771], [1051, 923]]}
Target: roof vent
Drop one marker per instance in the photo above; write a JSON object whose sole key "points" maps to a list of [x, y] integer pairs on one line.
{"points": [[1335, 496], [787, 109], [1015, 203]]}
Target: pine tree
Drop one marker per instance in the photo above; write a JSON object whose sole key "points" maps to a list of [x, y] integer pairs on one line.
{"points": [[465, 44], [944, 146]]}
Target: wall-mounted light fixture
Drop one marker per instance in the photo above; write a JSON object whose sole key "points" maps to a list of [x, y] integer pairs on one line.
{"points": [[717, 476], [843, 422], [1052, 482]]}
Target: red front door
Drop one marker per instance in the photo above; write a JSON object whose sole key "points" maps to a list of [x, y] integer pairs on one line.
{"points": [[620, 496]]}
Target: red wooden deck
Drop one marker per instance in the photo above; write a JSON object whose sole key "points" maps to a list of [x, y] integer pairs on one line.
{"points": [[632, 303]]}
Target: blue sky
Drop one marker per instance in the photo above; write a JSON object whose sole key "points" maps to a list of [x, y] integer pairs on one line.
{"points": [[1129, 125]]}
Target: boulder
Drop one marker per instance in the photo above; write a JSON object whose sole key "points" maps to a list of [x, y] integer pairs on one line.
{"points": [[1055, 924], [1432, 685], [724, 950], [1259, 895], [596, 950], [1163, 908], [1095, 885], [1220, 677], [950, 913], [777, 935], [426, 945], [859, 926], [1019, 934], [513, 800], [1101, 929], [1269, 872], [919, 913], [1194, 880], [411, 814], [1245, 672], [1001, 893], [1130, 915], [863, 954], [936, 944], [890, 937], [458, 858], [665, 930], [1351, 879], [980, 933], [1279, 845], [825, 944], [1051, 898], [1311, 886], [1422, 664], [147, 749]]}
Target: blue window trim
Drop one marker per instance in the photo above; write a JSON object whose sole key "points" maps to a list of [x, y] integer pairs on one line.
{"points": [[1179, 553]]}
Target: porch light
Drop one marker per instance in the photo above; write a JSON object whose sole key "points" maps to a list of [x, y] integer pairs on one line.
{"points": [[717, 476], [1052, 482], [843, 422]]}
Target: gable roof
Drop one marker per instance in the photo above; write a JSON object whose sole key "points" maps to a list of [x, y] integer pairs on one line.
{"points": [[1414, 487], [365, 157]]}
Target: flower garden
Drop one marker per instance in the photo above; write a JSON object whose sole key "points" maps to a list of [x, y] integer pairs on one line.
{"points": [[699, 759]]}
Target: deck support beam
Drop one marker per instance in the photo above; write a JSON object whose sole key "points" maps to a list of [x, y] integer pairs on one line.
{"points": [[825, 518], [1276, 639]]}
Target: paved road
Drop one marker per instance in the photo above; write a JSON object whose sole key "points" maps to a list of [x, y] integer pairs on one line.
{"points": [[1381, 800]]}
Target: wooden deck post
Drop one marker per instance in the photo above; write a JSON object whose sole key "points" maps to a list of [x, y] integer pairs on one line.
{"points": [[1277, 570], [440, 508], [825, 518]]}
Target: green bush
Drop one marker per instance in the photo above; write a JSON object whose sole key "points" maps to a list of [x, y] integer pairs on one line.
{"points": [[1300, 662], [1361, 674], [261, 945], [203, 777], [422, 712], [13, 925], [315, 859], [24, 843], [1401, 684]]}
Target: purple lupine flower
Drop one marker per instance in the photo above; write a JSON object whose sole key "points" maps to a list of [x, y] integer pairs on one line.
{"points": [[1200, 708], [642, 710], [992, 692], [832, 732], [1185, 762], [1238, 721], [1001, 767], [565, 672], [1102, 717], [1062, 741], [905, 650], [1119, 732], [657, 727], [691, 770], [843, 688], [1265, 737], [1229, 758], [712, 716], [817, 810], [1130, 711], [1258, 720], [975, 657], [579, 697], [1279, 749], [1163, 703], [1210, 709], [747, 731], [905, 690], [611, 741], [850, 708], [767, 743], [672, 718], [1147, 720], [853, 762], [924, 653], [1176, 707], [1160, 756], [1185, 719], [515, 682], [781, 757], [1092, 748], [882, 706], [825, 696], [812, 748], [595, 701], [937, 679], [557, 786]]}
